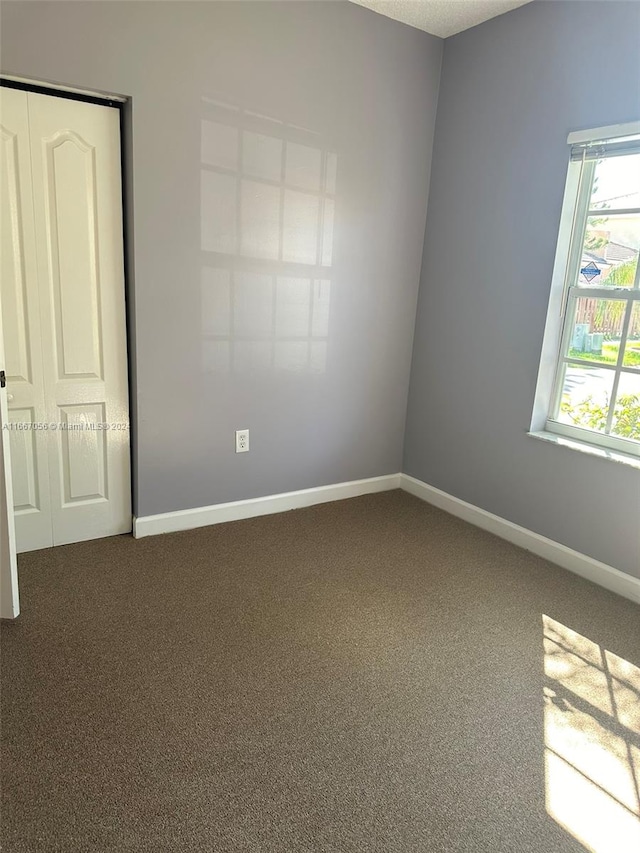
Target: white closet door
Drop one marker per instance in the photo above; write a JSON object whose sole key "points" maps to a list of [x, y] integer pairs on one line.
{"points": [[75, 155], [20, 315]]}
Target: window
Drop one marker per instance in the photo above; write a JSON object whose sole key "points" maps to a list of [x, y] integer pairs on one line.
{"points": [[589, 381]]}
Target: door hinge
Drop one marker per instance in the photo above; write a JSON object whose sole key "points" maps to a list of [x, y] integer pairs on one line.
{"points": [[3, 379]]}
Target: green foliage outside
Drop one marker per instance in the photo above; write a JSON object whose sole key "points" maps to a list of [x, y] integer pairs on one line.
{"points": [[593, 415], [609, 354], [623, 275], [593, 242]]}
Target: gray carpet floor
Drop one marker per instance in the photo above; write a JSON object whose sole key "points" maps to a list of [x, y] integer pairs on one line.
{"points": [[367, 675]]}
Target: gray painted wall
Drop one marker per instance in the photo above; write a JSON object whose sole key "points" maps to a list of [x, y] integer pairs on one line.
{"points": [[511, 91], [340, 80], [316, 366]]}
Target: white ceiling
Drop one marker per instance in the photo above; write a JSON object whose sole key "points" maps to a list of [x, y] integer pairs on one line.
{"points": [[441, 17]]}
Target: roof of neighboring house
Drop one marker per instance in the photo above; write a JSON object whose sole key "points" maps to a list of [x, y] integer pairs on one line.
{"points": [[611, 253], [592, 256], [616, 252]]}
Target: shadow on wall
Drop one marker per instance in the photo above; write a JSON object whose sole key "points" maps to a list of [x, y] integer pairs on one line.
{"points": [[592, 741], [267, 193]]}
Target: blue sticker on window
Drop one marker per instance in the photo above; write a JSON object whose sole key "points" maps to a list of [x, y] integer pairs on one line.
{"points": [[591, 271]]}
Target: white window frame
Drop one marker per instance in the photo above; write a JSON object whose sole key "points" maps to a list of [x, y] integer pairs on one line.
{"points": [[564, 295]]}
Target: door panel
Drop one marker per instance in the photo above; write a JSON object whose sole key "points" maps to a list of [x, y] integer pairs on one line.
{"points": [[84, 467], [20, 317], [75, 150], [26, 491], [71, 231]]}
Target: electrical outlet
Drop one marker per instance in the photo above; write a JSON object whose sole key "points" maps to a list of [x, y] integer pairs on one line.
{"points": [[242, 441]]}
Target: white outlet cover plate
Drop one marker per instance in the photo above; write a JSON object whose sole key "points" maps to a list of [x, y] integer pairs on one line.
{"points": [[242, 441]]}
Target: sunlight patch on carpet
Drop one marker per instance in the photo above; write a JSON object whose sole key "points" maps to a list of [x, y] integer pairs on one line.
{"points": [[592, 741]]}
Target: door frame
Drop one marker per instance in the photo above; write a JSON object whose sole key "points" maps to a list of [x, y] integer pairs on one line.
{"points": [[123, 104]]}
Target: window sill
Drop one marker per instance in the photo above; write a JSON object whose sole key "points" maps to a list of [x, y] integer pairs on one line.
{"points": [[591, 449]]}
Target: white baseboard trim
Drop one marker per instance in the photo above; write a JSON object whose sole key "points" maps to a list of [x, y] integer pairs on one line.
{"points": [[593, 570], [187, 519]]}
